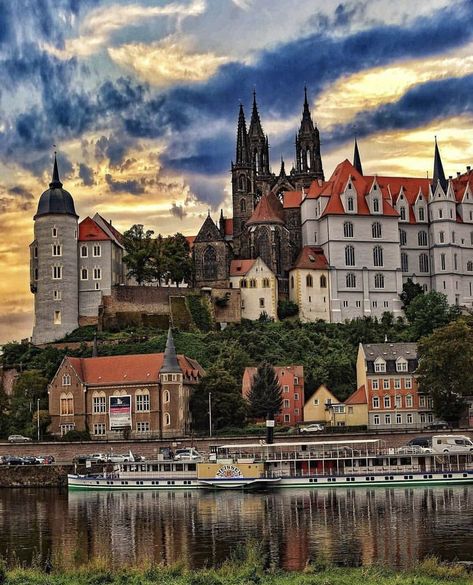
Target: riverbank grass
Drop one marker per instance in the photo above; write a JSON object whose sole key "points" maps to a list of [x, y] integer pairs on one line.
{"points": [[429, 572]]}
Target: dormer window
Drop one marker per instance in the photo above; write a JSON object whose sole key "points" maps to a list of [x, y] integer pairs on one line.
{"points": [[402, 212], [401, 365], [54, 232], [379, 365], [421, 214], [350, 203], [376, 204]]}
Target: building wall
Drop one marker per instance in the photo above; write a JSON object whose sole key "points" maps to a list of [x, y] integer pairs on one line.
{"points": [[313, 301], [56, 302], [255, 298], [315, 410]]}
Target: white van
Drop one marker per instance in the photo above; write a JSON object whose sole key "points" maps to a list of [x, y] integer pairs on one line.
{"points": [[451, 444]]}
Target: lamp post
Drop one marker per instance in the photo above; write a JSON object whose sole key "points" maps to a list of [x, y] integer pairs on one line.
{"points": [[37, 417], [210, 414]]}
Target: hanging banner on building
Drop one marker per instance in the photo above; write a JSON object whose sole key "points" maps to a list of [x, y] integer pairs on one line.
{"points": [[119, 412]]}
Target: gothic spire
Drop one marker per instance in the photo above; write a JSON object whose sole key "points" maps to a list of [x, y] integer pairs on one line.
{"points": [[307, 126], [255, 128], [357, 159], [439, 175], [170, 362], [55, 183], [282, 172], [242, 149]]}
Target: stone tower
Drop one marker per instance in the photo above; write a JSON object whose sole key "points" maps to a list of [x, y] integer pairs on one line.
{"points": [[308, 159], [54, 264], [259, 152]]}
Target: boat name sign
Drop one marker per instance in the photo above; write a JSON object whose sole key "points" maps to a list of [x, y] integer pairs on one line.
{"points": [[228, 471]]}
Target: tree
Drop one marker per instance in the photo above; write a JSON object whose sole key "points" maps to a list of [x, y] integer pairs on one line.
{"points": [[287, 309], [139, 246], [27, 389], [177, 259], [410, 290], [427, 312], [158, 261], [228, 405], [265, 395], [4, 415], [445, 369]]}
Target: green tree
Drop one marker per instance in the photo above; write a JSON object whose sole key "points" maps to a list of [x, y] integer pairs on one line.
{"points": [[158, 261], [427, 312], [139, 246], [445, 369], [228, 405], [265, 395], [177, 259], [410, 290], [287, 309], [27, 389], [4, 415]]}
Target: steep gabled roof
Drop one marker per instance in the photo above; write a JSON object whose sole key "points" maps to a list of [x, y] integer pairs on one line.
{"points": [[89, 231], [108, 227], [311, 258], [268, 210], [241, 267], [228, 226], [209, 232], [292, 199], [358, 396]]}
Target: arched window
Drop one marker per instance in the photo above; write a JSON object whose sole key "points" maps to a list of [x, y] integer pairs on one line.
{"points": [[376, 230], [209, 263], [348, 229], [378, 256], [99, 403], [308, 158], [442, 262], [242, 182], [455, 262], [323, 281], [243, 283], [404, 262], [292, 282], [402, 211], [142, 400], [66, 404], [83, 251], [422, 238], [266, 283], [308, 280], [167, 419], [351, 280], [423, 263], [469, 266], [441, 237], [166, 396], [402, 237], [66, 380], [376, 205], [349, 255], [350, 204], [379, 281], [243, 206], [252, 283]]}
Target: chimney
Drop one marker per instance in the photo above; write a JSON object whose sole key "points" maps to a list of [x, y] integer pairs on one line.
{"points": [[468, 168], [458, 174]]}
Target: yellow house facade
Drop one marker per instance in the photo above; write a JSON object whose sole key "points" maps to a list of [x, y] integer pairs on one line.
{"points": [[258, 288], [309, 285], [324, 407]]}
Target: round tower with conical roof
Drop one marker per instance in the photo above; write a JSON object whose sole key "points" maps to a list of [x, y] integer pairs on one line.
{"points": [[54, 264]]}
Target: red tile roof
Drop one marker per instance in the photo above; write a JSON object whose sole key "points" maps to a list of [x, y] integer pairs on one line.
{"points": [[268, 210], [129, 369], [90, 231], [311, 258], [358, 397], [190, 241], [241, 267], [118, 235], [292, 199]]}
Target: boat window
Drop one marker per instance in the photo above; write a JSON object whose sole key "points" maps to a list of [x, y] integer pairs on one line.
{"points": [[191, 467]]}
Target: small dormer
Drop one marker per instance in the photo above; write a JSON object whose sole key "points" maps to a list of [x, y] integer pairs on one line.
{"points": [[402, 206], [349, 197], [465, 208], [401, 364], [420, 208], [379, 365], [374, 199]]}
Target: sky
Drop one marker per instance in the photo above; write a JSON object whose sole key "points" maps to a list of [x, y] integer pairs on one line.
{"points": [[141, 100]]}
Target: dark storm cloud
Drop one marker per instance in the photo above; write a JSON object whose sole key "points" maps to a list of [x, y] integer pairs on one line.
{"points": [[421, 105], [113, 149], [130, 186], [44, 164], [86, 173], [178, 211]]}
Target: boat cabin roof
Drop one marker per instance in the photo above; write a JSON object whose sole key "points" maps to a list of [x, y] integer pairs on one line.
{"points": [[359, 442]]}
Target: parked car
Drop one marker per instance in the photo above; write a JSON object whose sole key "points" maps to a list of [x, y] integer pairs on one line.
{"points": [[30, 460], [314, 428], [438, 425], [421, 441], [19, 439], [45, 459], [94, 458], [451, 444], [13, 460], [187, 455], [117, 458]]}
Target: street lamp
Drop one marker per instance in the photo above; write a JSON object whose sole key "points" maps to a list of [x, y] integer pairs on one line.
{"points": [[37, 417], [210, 414]]}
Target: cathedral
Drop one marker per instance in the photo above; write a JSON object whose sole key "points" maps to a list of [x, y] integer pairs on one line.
{"points": [[266, 219]]}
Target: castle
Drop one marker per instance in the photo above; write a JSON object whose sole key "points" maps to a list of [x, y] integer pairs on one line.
{"points": [[339, 248]]}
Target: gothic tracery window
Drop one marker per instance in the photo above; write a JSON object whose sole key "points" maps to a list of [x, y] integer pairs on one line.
{"points": [[209, 263]]}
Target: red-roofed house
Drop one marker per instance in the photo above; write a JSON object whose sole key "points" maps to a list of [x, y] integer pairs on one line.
{"points": [[258, 288], [309, 284], [84, 389], [291, 380], [324, 407]]}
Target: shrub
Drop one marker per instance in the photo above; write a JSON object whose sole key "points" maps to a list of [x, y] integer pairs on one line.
{"points": [[76, 436], [287, 309]]}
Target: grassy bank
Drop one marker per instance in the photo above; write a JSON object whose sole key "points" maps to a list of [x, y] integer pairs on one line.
{"points": [[248, 572]]}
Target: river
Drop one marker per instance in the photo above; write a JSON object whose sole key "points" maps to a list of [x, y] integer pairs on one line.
{"points": [[350, 527]]}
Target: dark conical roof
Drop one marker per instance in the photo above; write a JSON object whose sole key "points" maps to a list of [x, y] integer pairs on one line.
{"points": [[170, 363], [242, 149], [255, 128], [357, 159], [439, 175], [56, 200]]}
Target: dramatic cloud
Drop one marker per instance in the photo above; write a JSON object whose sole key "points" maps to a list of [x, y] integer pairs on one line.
{"points": [[130, 186], [86, 174], [178, 211]]}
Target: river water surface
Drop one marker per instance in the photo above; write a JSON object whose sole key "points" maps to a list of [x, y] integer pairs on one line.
{"points": [[351, 527]]}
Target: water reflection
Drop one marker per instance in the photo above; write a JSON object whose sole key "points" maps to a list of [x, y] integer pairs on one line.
{"points": [[346, 526]]}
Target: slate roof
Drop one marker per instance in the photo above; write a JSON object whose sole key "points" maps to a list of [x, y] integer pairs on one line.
{"points": [[390, 351]]}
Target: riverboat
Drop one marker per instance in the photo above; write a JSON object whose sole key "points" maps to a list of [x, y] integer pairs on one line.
{"points": [[289, 464]]}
